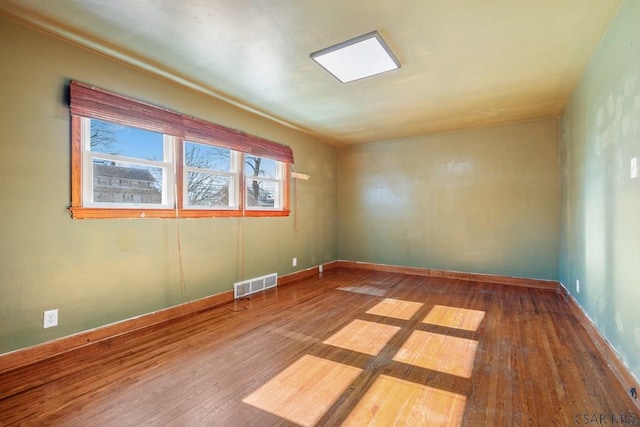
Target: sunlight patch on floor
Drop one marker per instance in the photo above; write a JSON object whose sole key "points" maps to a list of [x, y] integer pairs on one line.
{"points": [[304, 391], [454, 317], [362, 336], [392, 401], [365, 289], [398, 309], [442, 353]]}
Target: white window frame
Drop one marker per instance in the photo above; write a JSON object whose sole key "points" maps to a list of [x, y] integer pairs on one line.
{"points": [[278, 180], [233, 175], [167, 167]]}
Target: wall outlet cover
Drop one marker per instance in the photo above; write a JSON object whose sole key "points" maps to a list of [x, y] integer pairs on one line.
{"points": [[50, 318]]}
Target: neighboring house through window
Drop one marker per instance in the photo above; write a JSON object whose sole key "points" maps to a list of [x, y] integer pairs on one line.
{"points": [[118, 184]]}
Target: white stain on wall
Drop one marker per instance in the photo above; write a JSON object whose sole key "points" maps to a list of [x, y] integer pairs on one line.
{"points": [[636, 115], [619, 324], [629, 85], [626, 125], [611, 106], [599, 116]]}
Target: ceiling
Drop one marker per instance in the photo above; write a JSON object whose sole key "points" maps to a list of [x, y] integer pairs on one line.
{"points": [[465, 63]]}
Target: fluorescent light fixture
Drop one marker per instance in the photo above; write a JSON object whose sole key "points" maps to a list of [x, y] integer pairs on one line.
{"points": [[355, 59]]}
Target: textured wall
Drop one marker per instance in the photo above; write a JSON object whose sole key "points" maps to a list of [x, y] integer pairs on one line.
{"points": [[600, 205], [482, 201], [101, 271]]}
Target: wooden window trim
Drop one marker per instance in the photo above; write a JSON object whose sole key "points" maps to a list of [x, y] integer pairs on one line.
{"points": [[91, 102], [105, 213]]}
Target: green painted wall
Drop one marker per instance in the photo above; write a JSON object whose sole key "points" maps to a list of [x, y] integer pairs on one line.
{"points": [[600, 204], [101, 271], [482, 201]]}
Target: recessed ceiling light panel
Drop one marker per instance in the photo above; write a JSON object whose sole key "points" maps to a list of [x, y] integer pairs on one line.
{"points": [[355, 59]]}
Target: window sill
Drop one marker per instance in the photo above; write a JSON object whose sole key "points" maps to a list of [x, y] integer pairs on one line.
{"points": [[103, 213]]}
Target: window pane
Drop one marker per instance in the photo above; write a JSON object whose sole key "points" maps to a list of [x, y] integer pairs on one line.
{"points": [[116, 182], [120, 140], [205, 189], [259, 166], [207, 157], [262, 194]]}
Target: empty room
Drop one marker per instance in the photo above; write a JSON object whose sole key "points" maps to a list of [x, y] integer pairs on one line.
{"points": [[301, 213]]}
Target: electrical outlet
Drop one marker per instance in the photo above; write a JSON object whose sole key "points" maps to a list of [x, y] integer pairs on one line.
{"points": [[577, 285], [294, 262], [320, 268], [634, 167], [50, 318]]}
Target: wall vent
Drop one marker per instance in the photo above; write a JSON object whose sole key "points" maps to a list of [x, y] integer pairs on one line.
{"points": [[257, 284]]}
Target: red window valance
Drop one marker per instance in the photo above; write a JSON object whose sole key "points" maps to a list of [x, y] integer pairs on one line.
{"points": [[93, 102]]}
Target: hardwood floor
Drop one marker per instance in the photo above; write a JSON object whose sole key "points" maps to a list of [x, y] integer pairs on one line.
{"points": [[352, 347]]}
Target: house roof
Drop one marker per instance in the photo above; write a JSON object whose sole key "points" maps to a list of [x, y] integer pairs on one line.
{"points": [[113, 171]]}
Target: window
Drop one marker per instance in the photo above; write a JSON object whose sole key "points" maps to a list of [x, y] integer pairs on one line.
{"points": [[262, 177], [125, 167], [210, 177], [131, 159]]}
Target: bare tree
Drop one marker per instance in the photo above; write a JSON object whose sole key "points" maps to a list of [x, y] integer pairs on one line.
{"points": [[253, 163], [103, 137], [206, 188]]}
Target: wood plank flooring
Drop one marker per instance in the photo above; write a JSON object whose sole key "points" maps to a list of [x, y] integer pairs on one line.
{"points": [[352, 347]]}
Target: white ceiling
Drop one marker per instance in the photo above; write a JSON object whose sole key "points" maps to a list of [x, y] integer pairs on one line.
{"points": [[465, 63]]}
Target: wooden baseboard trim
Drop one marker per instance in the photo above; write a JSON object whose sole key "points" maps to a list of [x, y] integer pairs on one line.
{"points": [[622, 373], [29, 355], [36, 353], [305, 274], [49, 349], [474, 277]]}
